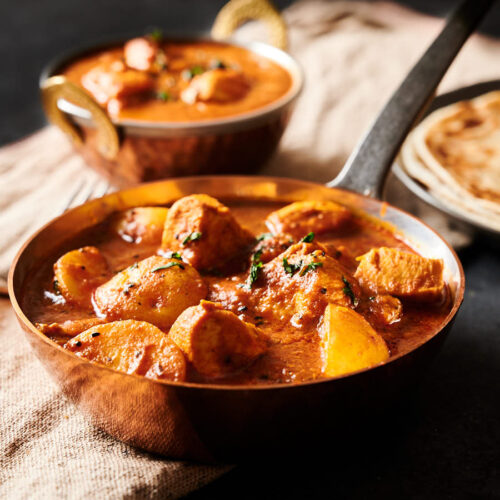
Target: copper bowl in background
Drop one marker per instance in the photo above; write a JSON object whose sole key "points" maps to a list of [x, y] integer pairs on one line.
{"points": [[213, 422], [128, 152]]}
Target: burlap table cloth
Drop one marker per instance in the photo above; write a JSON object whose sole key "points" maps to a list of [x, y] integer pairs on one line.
{"points": [[354, 55]]}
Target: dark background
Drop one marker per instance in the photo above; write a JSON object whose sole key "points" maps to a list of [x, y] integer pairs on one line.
{"points": [[443, 441], [32, 32]]}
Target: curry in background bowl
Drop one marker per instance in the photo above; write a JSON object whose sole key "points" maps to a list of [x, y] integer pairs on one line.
{"points": [[154, 106]]}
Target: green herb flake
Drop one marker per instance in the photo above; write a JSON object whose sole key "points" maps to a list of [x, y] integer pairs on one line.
{"points": [[255, 268], [167, 266], [156, 35], [163, 96], [197, 70], [264, 236], [56, 287], [190, 73], [174, 255], [291, 269], [135, 265], [348, 292], [196, 235], [372, 298], [308, 238], [311, 267]]}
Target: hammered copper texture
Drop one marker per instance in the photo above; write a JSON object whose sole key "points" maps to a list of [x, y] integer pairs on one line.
{"points": [[142, 159]]}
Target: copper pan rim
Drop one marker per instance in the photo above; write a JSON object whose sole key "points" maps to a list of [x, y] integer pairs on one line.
{"points": [[458, 294]]}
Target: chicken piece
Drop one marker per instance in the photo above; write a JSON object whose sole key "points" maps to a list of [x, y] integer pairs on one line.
{"points": [[117, 86], [134, 347], [219, 85], [386, 309], [216, 341], [403, 274], [300, 282], [155, 289], [271, 246], [68, 328], [78, 273], [141, 53], [302, 217], [205, 231], [141, 224], [349, 342]]}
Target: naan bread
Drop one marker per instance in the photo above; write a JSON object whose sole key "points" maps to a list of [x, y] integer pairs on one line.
{"points": [[455, 152]]}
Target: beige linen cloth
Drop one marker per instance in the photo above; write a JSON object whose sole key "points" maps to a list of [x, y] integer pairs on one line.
{"points": [[354, 54]]}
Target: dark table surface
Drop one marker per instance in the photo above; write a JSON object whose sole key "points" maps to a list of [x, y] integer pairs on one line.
{"points": [[443, 440]]}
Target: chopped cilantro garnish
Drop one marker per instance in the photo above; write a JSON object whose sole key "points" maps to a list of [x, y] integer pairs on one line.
{"points": [[308, 238], [189, 73], [156, 35], [348, 291], [196, 235], [255, 268], [197, 70], [166, 266], [311, 267], [291, 269], [174, 255], [56, 287], [163, 96]]}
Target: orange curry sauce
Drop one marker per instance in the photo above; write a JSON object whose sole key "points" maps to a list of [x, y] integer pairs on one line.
{"points": [[156, 94], [293, 353]]}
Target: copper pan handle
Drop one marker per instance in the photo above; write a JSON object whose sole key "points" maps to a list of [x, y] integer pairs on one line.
{"points": [[368, 165], [236, 12], [58, 87]]}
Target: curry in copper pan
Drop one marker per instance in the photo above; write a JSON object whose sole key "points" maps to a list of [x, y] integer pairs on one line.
{"points": [[252, 292]]}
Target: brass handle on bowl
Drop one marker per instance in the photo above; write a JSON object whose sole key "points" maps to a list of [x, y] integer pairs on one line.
{"points": [[58, 87], [236, 12]]}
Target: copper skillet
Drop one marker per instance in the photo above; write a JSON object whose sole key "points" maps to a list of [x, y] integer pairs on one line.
{"points": [[217, 422]]}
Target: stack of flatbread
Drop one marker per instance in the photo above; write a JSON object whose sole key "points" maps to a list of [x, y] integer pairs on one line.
{"points": [[455, 154]]}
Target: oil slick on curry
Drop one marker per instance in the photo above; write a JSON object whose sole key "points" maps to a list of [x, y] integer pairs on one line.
{"points": [[156, 80], [258, 293]]}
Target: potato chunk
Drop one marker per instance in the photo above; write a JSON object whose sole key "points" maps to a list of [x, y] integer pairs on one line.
{"points": [[349, 342], [216, 341], [302, 217], [140, 53], [78, 273], [407, 275], [141, 224], [219, 85], [204, 231], [155, 289], [132, 347], [301, 281]]}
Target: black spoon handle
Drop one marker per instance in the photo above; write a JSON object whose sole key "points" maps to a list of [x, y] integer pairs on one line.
{"points": [[368, 165]]}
